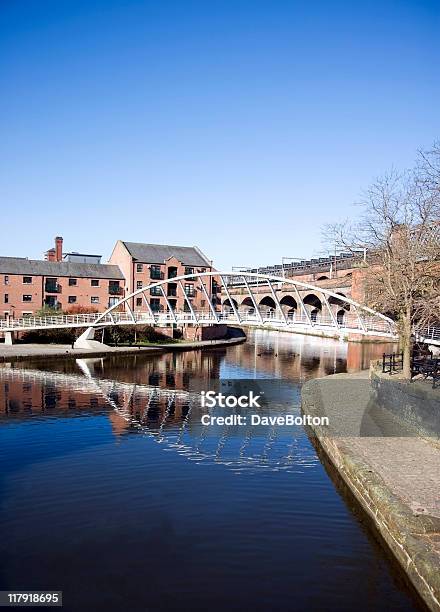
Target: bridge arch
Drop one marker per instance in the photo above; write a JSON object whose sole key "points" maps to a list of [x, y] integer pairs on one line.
{"points": [[268, 304], [339, 302], [227, 303], [313, 310], [289, 305]]}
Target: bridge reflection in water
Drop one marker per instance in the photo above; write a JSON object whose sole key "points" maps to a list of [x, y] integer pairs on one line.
{"points": [[160, 397]]}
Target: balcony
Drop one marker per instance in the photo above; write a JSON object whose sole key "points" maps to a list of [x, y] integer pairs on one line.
{"points": [[115, 290], [172, 272], [156, 275], [155, 291], [52, 303], [52, 287]]}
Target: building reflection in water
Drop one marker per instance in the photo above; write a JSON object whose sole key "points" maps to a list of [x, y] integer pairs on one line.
{"points": [[158, 396]]}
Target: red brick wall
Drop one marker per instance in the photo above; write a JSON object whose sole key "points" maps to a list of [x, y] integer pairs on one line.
{"points": [[83, 291]]}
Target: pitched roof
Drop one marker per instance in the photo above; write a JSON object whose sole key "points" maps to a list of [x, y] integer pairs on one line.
{"points": [[158, 253], [37, 267]]}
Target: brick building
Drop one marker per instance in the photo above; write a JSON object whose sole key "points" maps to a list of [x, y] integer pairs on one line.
{"points": [[142, 264], [27, 285], [66, 281]]}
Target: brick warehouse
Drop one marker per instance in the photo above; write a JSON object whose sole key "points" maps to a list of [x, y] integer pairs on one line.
{"points": [[143, 264], [66, 281]]}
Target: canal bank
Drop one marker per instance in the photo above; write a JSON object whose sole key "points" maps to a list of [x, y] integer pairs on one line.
{"points": [[390, 468], [341, 335], [26, 352]]}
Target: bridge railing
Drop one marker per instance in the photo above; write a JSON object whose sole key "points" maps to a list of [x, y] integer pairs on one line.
{"points": [[430, 333], [349, 321]]}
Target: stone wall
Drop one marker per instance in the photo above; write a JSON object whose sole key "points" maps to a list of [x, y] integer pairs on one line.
{"points": [[414, 403]]}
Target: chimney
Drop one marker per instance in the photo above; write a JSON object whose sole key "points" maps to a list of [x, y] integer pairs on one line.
{"points": [[58, 248], [50, 255]]}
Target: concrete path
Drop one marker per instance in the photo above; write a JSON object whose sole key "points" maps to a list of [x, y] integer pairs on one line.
{"points": [[21, 352], [392, 471]]}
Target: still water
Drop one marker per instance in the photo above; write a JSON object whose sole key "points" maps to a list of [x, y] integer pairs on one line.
{"points": [[113, 492]]}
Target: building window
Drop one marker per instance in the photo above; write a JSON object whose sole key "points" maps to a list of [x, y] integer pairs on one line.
{"points": [[6, 298], [189, 270], [139, 285], [202, 303], [172, 272], [26, 313], [189, 290], [51, 301], [94, 282], [51, 285], [6, 279], [27, 280], [71, 299], [94, 299], [155, 273], [27, 298], [172, 290], [155, 304], [73, 282], [139, 267], [112, 301], [114, 288], [138, 301], [155, 291]]}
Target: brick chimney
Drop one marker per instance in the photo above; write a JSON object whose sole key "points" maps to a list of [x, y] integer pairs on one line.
{"points": [[50, 255], [58, 248]]}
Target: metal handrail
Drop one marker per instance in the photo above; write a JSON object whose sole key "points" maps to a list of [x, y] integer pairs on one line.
{"points": [[349, 322]]}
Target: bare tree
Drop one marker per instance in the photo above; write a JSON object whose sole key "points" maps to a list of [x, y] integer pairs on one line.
{"points": [[399, 229]]}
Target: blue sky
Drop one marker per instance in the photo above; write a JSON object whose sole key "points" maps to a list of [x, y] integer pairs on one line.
{"points": [[238, 126]]}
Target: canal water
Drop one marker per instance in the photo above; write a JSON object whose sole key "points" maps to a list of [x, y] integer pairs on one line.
{"points": [[112, 491]]}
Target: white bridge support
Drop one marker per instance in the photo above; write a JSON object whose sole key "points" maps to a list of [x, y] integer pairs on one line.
{"points": [[359, 319]]}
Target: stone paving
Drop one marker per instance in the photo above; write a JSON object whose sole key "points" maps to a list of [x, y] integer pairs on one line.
{"points": [[408, 463], [392, 470]]}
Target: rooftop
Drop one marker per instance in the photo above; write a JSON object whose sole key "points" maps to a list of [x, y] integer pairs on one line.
{"points": [[158, 253], [37, 267]]}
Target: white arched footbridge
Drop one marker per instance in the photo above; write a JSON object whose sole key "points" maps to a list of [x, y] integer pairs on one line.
{"points": [[244, 299]]}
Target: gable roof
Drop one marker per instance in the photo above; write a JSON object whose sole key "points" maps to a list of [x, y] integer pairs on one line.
{"points": [[37, 267], [158, 253]]}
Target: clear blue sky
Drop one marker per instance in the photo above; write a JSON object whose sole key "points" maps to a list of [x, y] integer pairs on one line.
{"points": [[238, 126]]}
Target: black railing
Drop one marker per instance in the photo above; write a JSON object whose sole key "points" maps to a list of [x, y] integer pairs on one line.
{"points": [[428, 367], [423, 364], [392, 362], [115, 290], [52, 288], [156, 275]]}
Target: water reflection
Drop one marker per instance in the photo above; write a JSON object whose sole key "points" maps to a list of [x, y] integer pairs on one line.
{"points": [[158, 397], [171, 417]]}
